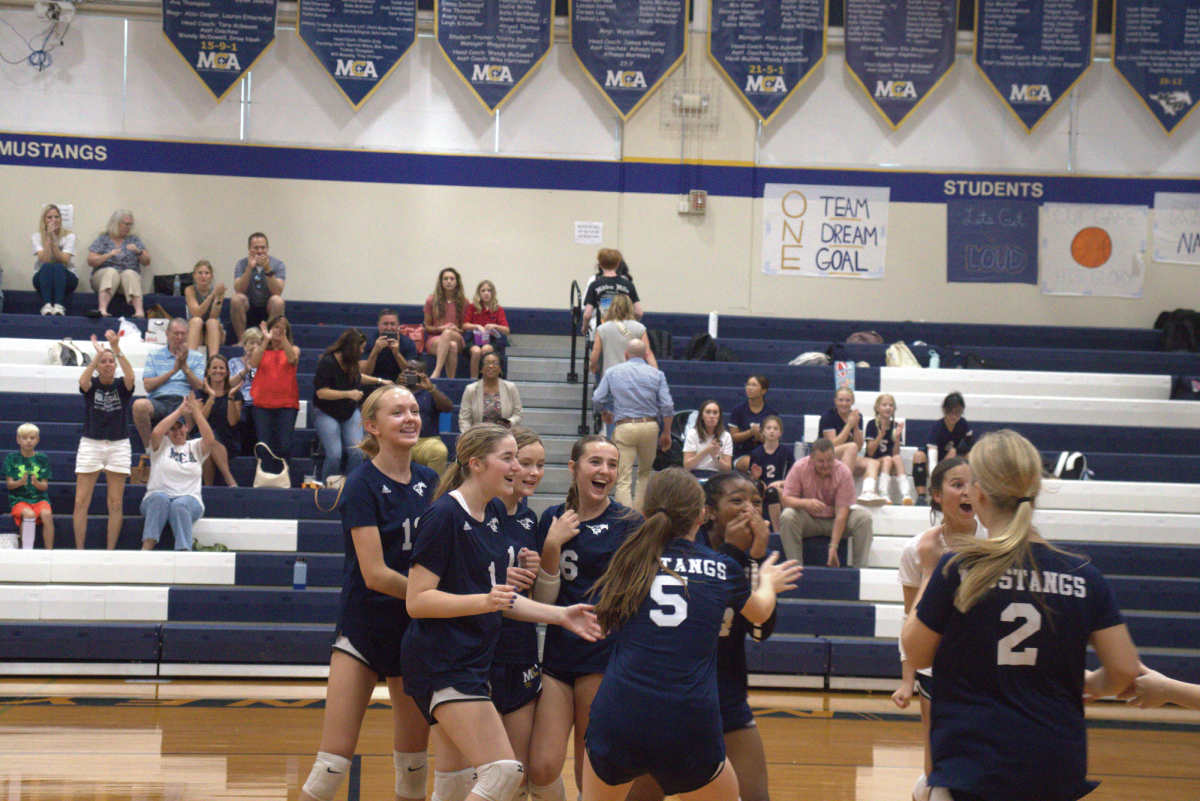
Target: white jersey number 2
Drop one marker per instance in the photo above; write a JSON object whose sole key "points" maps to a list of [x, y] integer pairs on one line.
{"points": [[1008, 650], [672, 605]]}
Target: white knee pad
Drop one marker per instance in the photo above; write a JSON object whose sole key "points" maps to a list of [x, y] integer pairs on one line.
{"points": [[328, 773], [500, 780], [412, 773], [554, 791], [452, 785]]}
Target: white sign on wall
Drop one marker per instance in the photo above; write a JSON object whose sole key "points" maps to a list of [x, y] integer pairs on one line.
{"points": [[1089, 249], [825, 230], [1177, 227], [589, 233]]}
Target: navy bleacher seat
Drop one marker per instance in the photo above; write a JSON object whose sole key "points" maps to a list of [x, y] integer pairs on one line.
{"points": [[234, 643], [44, 641]]}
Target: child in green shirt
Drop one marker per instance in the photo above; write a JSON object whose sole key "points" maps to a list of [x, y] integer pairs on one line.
{"points": [[27, 475]]}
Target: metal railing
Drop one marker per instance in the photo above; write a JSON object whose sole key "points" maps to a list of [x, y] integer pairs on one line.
{"points": [[573, 375]]}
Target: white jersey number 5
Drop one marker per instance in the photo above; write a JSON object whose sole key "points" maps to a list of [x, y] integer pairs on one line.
{"points": [[1008, 650], [672, 605]]}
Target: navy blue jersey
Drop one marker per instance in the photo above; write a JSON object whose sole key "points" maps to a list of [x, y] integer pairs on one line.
{"points": [[581, 564], [887, 445], [962, 437], [832, 421], [469, 557], [743, 418], [518, 639], [370, 498], [774, 466], [664, 664], [1008, 679]]}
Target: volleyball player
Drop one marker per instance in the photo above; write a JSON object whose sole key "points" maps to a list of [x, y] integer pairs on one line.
{"points": [[658, 710], [455, 600], [578, 538], [380, 504], [1005, 623]]}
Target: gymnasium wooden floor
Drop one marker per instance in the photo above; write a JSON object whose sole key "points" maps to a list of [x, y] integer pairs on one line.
{"points": [[71, 740]]}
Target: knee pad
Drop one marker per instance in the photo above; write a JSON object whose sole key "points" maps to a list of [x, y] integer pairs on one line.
{"points": [[554, 791], [328, 773], [412, 773], [500, 780], [771, 495], [450, 785], [920, 473]]}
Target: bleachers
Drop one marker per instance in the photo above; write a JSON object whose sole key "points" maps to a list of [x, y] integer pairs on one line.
{"points": [[1104, 392]]}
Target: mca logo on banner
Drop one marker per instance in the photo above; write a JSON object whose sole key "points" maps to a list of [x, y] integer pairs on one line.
{"points": [[825, 230], [1093, 250], [219, 39]]}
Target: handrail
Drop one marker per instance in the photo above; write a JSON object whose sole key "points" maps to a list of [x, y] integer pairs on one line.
{"points": [[576, 303]]}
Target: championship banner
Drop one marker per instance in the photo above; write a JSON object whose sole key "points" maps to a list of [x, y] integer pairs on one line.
{"points": [[219, 39], [766, 49], [494, 46], [1032, 52], [1176, 228], [628, 47], [358, 42], [825, 230], [1089, 249], [992, 241], [900, 51], [1156, 49]]}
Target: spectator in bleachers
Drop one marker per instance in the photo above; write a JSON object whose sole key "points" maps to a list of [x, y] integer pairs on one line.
{"points": [[176, 470], [390, 351], [337, 389], [429, 450], [618, 329], [485, 328], [258, 282], [612, 278], [204, 301], [770, 463], [445, 312], [107, 414], [275, 391], [632, 396], [117, 257], [746, 419], [817, 495], [223, 410], [241, 380], [491, 399], [707, 446], [170, 374], [882, 458], [27, 476], [950, 436], [842, 425], [54, 276]]}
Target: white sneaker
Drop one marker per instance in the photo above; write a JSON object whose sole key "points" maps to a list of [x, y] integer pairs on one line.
{"points": [[871, 499], [48, 309], [60, 309], [908, 501]]}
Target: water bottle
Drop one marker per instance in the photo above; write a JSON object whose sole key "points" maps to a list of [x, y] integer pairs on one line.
{"points": [[712, 324], [935, 361], [300, 574], [175, 286]]}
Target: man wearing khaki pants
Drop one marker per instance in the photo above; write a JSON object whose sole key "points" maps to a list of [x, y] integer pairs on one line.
{"points": [[816, 499], [634, 395]]}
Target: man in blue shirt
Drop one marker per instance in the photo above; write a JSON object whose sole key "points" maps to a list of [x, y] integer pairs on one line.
{"points": [[634, 395], [171, 373]]}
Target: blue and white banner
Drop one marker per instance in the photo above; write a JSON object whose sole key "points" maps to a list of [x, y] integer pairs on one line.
{"points": [[992, 241], [1033, 51], [1156, 49], [219, 39], [900, 51], [628, 47], [494, 46], [1176, 228], [825, 230], [1092, 249], [767, 48], [358, 42]]}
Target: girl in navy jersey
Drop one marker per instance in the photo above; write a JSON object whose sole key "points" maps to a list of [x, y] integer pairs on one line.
{"points": [[666, 597], [881, 458], [1005, 623], [842, 425], [455, 600], [380, 504], [577, 539]]}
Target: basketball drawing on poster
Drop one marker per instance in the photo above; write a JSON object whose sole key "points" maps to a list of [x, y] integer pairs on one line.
{"points": [[1093, 250], [825, 230]]}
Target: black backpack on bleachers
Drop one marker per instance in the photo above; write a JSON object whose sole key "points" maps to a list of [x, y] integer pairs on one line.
{"points": [[702, 348], [1180, 330]]}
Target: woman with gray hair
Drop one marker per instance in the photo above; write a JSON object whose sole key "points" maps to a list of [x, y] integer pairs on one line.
{"points": [[117, 257]]}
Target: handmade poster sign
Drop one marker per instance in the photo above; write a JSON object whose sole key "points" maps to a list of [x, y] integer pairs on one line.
{"points": [[825, 230], [1092, 249]]}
